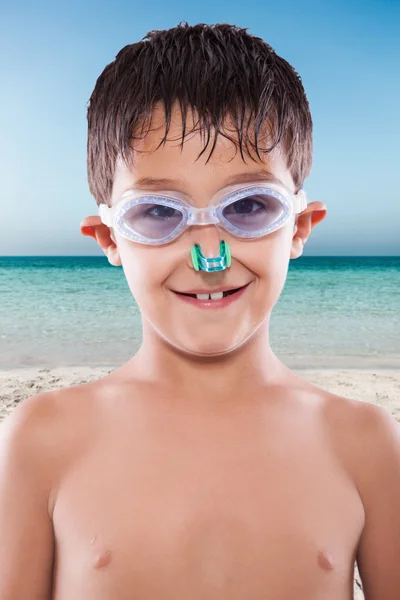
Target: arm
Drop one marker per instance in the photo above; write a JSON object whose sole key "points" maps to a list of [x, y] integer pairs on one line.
{"points": [[26, 532], [378, 556]]}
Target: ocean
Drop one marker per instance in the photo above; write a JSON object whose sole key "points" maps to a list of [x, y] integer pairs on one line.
{"points": [[334, 312]]}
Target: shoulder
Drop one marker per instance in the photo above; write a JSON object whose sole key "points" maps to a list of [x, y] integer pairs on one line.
{"points": [[40, 417], [28, 425], [373, 437], [27, 536], [370, 441], [44, 433], [367, 434], [378, 445], [378, 481], [26, 436]]}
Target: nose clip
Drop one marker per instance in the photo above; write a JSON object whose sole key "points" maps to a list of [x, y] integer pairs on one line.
{"points": [[219, 263]]}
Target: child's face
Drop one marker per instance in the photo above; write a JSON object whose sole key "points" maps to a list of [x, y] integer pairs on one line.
{"points": [[155, 273]]}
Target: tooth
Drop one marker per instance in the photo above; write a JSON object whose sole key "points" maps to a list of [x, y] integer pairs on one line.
{"points": [[217, 296], [202, 296]]}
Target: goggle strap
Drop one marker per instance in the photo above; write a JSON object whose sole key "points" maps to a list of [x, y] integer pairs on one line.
{"points": [[300, 201], [107, 214]]}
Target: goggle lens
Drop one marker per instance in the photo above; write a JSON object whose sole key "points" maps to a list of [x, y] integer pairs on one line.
{"points": [[153, 221], [253, 213]]}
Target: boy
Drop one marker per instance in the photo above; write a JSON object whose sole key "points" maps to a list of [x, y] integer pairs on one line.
{"points": [[203, 468]]}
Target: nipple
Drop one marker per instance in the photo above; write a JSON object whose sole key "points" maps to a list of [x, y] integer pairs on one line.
{"points": [[325, 560], [102, 557]]}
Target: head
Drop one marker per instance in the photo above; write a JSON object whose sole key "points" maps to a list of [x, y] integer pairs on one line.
{"points": [[153, 113]]}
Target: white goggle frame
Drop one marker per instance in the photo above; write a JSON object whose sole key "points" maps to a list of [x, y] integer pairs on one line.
{"points": [[212, 214]]}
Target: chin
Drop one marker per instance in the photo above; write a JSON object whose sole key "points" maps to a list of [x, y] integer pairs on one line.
{"points": [[209, 347]]}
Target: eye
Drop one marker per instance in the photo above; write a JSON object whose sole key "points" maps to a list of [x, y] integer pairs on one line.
{"points": [[159, 211], [246, 206]]}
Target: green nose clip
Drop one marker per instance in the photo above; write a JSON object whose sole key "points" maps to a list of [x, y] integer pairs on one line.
{"points": [[219, 263]]}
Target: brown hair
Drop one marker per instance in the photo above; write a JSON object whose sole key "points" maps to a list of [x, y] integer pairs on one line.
{"points": [[218, 70]]}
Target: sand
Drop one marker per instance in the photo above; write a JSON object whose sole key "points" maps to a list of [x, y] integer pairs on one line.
{"points": [[379, 386]]}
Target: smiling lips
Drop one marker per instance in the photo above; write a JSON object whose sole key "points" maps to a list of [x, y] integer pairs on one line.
{"points": [[206, 295], [208, 298], [212, 295]]}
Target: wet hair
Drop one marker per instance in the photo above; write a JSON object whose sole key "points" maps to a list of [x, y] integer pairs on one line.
{"points": [[221, 72]]}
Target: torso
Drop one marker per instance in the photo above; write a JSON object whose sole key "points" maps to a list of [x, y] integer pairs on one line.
{"points": [[252, 502]]}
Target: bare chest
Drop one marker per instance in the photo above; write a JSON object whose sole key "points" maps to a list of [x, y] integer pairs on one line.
{"points": [[159, 517]]}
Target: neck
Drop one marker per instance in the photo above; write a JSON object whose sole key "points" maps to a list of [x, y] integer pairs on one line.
{"points": [[251, 366]]}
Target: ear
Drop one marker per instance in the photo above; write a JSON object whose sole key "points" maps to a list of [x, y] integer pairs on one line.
{"points": [[309, 218], [93, 227]]}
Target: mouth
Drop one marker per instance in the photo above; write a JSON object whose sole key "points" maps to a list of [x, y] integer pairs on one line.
{"points": [[212, 295], [218, 299]]}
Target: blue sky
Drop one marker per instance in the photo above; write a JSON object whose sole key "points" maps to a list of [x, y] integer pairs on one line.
{"points": [[347, 54]]}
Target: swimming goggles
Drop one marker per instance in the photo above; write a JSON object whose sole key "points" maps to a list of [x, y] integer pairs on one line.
{"points": [[246, 211]]}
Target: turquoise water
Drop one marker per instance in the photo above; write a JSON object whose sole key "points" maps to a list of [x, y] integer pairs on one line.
{"points": [[333, 312]]}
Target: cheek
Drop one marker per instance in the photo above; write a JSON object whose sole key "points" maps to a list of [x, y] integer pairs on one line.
{"points": [[144, 271], [268, 256], [269, 259]]}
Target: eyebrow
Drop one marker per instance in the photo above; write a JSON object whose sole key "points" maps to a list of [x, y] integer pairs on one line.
{"points": [[239, 178]]}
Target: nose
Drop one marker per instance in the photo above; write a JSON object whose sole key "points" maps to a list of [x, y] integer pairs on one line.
{"points": [[208, 237]]}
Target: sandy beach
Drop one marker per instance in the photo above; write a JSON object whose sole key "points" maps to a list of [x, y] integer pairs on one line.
{"points": [[379, 386]]}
